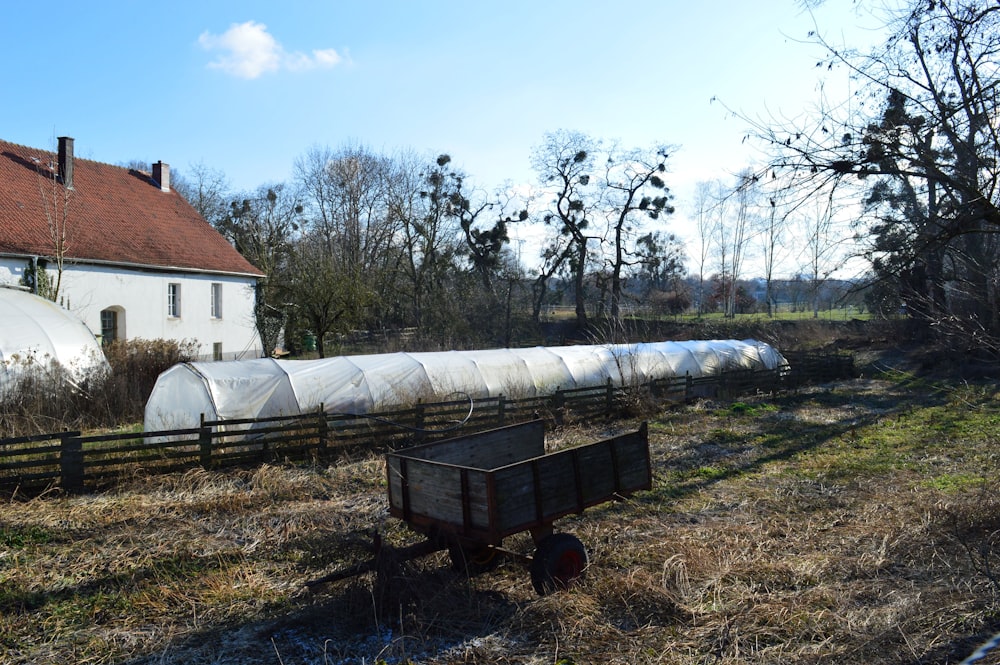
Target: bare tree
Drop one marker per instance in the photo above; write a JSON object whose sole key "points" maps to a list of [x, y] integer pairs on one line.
{"points": [[555, 253], [919, 143], [564, 163], [484, 243], [745, 196], [660, 259], [420, 200], [770, 229], [206, 189], [55, 190], [706, 223], [346, 200], [262, 225], [820, 244], [484, 223], [723, 241], [634, 191], [345, 194]]}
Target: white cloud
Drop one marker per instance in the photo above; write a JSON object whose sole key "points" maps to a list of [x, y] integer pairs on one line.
{"points": [[300, 61], [247, 50], [326, 57]]}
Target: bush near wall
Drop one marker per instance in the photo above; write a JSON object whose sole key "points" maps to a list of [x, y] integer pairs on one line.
{"points": [[44, 400]]}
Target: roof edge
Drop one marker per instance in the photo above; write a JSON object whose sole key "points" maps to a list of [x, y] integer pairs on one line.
{"points": [[145, 267]]}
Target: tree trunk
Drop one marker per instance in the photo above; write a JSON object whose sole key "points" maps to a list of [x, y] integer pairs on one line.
{"points": [[581, 269]]}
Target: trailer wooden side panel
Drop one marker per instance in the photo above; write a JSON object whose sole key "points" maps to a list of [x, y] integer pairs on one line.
{"points": [[540, 490], [434, 488], [486, 450], [445, 484], [451, 496]]}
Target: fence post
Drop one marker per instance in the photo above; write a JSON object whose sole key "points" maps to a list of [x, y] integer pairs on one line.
{"points": [[558, 405], [688, 386], [322, 430], [501, 407], [205, 444], [71, 461], [420, 434]]}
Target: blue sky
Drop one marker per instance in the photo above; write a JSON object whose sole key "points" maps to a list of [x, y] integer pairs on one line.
{"points": [[247, 87]]}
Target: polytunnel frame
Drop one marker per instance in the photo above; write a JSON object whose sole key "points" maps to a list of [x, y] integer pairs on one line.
{"points": [[434, 375]]}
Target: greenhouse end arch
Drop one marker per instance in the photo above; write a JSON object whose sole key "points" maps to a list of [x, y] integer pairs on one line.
{"points": [[37, 334], [360, 384]]}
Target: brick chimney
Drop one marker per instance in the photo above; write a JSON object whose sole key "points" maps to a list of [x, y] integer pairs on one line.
{"points": [[161, 176], [66, 161]]}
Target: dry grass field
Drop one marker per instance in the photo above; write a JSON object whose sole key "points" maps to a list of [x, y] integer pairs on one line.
{"points": [[847, 523]]}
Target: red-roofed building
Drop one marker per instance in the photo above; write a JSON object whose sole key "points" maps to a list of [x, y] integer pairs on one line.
{"points": [[138, 260]]}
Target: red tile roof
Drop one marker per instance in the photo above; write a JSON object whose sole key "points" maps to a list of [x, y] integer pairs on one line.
{"points": [[114, 214]]}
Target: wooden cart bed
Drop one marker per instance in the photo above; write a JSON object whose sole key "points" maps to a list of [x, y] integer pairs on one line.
{"points": [[483, 487]]}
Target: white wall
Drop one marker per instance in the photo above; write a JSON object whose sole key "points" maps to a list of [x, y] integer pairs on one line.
{"points": [[141, 297]]}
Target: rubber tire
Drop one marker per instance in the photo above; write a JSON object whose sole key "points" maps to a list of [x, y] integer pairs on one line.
{"points": [[560, 559]]}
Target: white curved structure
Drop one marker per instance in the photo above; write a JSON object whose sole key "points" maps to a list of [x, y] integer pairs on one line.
{"points": [[365, 383], [35, 333]]}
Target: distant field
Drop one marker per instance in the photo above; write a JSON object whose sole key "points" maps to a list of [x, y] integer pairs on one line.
{"points": [[783, 313], [837, 314]]}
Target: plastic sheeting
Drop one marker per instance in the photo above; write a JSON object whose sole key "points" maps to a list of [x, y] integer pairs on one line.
{"points": [[35, 332], [366, 383]]}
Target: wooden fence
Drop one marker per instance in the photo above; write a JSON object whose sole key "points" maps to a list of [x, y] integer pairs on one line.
{"points": [[76, 463]]}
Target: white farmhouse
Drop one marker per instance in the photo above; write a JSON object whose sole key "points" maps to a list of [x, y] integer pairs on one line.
{"points": [[138, 261]]}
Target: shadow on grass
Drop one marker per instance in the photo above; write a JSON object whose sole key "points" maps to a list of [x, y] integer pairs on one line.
{"points": [[432, 610], [106, 589], [745, 442]]}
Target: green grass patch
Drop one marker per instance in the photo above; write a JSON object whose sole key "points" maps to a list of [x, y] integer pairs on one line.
{"points": [[18, 537], [748, 410], [932, 438], [708, 473], [955, 483]]}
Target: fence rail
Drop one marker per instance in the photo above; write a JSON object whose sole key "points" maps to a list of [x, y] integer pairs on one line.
{"points": [[77, 463]]}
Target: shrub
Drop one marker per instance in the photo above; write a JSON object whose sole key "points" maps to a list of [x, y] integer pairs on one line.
{"points": [[43, 399], [135, 366]]}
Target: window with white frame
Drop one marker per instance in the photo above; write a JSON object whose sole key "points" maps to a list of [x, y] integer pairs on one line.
{"points": [[109, 326], [216, 300], [173, 300]]}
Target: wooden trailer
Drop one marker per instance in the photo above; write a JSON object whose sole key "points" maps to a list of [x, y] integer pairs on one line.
{"points": [[473, 491], [468, 493]]}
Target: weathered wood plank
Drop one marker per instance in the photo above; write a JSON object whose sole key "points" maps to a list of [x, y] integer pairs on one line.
{"points": [[527, 493], [447, 481], [486, 450], [434, 490]]}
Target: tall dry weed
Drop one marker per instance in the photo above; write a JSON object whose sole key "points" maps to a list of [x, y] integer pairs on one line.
{"points": [[43, 399]]}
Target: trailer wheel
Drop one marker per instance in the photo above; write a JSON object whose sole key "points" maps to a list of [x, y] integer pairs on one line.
{"points": [[473, 560], [559, 560]]}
